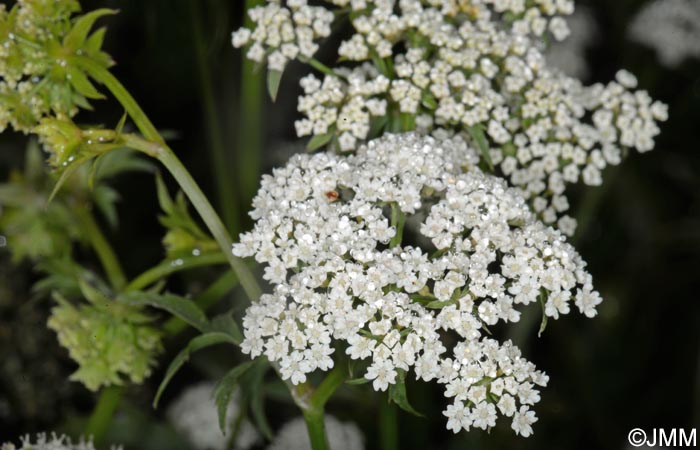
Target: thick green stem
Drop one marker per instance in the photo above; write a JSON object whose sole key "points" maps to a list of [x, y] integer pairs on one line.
{"points": [[104, 251], [250, 124], [158, 149], [316, 427], [221, 166], [166, 268], [313, 410], [329, 385], [107, 404], [388, 426]]}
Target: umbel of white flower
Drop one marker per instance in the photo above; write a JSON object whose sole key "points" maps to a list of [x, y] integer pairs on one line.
{"points": [[329, 230], [194, 415], [52, 442], [473, 67], [341, 435]]}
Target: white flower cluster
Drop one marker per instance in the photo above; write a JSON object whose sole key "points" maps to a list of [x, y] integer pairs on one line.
{"points": [[671, 28], [53, 442], [330, 231], [283, 33], [446, 64], [194, 414], [569, 55], [341, 435]]}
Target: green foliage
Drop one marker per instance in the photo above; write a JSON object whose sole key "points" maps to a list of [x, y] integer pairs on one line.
{"points": [[38, 229], [184, 237], [110, 341], [45, 48], [397, 394], [34, 230]]}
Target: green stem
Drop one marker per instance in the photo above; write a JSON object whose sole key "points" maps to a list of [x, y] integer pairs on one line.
{"points": [[217, 229], [250, 133], [313, 411], [388, 426], [166, 268], [107, 404], [329, 385], [158, 149], [228, 199], [316, 427], [104, 250]]}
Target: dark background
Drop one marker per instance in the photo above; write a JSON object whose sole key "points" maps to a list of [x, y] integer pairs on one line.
{"points": [[635, 365]]}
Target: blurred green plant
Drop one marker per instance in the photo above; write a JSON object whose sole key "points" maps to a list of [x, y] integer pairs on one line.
{"points": [[111, 341]]}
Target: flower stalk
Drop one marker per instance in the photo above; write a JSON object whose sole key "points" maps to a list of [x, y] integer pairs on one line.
{"points": [[154, 145]]}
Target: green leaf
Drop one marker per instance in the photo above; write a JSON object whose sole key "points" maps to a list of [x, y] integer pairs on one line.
{"points": [[477, 133], [75, 39], [357, 381], [70, 170], [319, 141], [120, 125], [164, 199], [543, 324], [428, 100], [94, 42], [105, 198], [253, 390], [224, 390], [397, 394], [437, 304], [181, 307], [197, 343], [274, 77], [225, 323], [82, 84]]}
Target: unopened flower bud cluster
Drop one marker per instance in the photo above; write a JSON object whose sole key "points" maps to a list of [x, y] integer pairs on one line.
{"points": [[345, 279], [462, 66]]}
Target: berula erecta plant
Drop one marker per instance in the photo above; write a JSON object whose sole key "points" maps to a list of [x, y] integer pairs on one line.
{"points": [[429, 211]]}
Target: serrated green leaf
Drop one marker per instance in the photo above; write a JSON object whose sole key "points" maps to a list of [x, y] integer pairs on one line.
{"points": [[319, 141], [224, 390], [75, 39], [254, 390], [397, 394], [477, 133], [274, 78], [181, 307], [197, 343]]}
